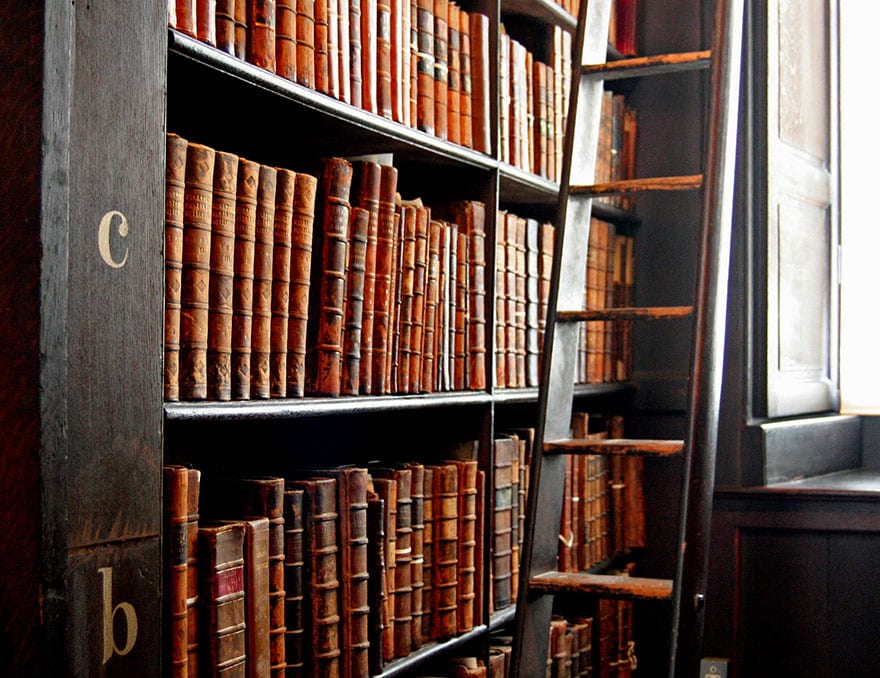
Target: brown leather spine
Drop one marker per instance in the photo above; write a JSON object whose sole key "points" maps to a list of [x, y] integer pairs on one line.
{"points": [[425, 66], [417, 564], [532, 301], [480, 584], [392, 364], [441, 67], [539, 101], [261, 33], [382, 298], [465, 105], [256, 586], [206, 21], [355, 46], [383, 58], [305, 43], [502, 521], [420, 280], [186, 17], [175, 182], [354, 306], [413, 72], [431, 294], [222, 594], [428, 556], [323, 373], [367, 182], [174, 569], [261, 330], [281, 249], [460, 344], [467, 543], [369, 11], [300, 280], [510, 297], [471, 216], [344, 51], [225, 22], [445, 553], [480, 58], [196, 271], [294, 564], [515, 510], [501, 300], [545, 265], [453, 102], [377, 586], [193, 486], [408, 216], [285, 38], [321, 582], [219, 354], [322, 26], [243, 279], [520, 325], [241, 29], [333, 48], [400, 59]]}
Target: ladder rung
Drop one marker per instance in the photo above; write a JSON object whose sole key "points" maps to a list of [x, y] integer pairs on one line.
{"points": [[615, 446], [682, 183], [651, 65], [643, 313], [604, 585]]}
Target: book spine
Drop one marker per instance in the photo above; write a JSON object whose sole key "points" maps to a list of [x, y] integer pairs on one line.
{"points": [[382, 297], [474, 221], [501, 300], [441, 67], [322, 55], [431, 293], [383, 58], [460, 339], [520, 325], [386, 488], [408, 215], [532, 302], [400, 58], [417, 563], [480, 59], [196, 271], [175, 183], [344, 52], [367, 197], [502, 521], [193, 487], [467, 543], [185, 17], [206, 21], [305, 43], [243, 279], [369, 50], [351, 348], [261, 24], [480, 585], [302, 226], [175, 569], [240, 15], [285, 38], [356, 49], [281, 249], [219, 354], [403, 565], [333, 48], [377, 585], [413, 72], [261, 329], [428, 556], [256, 583], [466, 80], [425, 66], [445, 553], [225, 25], [294, 565], [392, 365], [420, 278], [510, 298], [453, 100]]}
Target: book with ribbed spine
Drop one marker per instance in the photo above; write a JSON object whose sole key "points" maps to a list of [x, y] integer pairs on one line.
{"points": [[428, 555], [453, 93], [502, 521], [466, 132], [206, 21], [302, 227], [321, 52], [377, 584], [185, 16], [305, 43], [386, 490], [193, 487], [261, 327], [243, 276], [520, 324], [294, 565], [532, 273], [343, 54], [285, 38], [417, 563], [471, 216], [444, 607], [480, 91], [256, 598], [441, 68], [333, 48], [354, 302], [425, 66], [261, 33], [174, 513], [432, 282], [408, 217], [384, 102], [420, 279], [401, 19], [460, 320], [175, 182], [281, 250], [225, 25], [382, 297], [467, 543]]}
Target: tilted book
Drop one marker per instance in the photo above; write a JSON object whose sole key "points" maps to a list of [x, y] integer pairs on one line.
{"points": [[243, 280], [175, 180]]}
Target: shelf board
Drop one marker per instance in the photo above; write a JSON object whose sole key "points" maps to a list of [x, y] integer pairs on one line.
{"points": [[512, 396], [431, 652], [542, 10], [520, 187], [502, 618]]}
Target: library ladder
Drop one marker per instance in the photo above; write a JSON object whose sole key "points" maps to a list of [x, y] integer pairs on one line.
{"points": [[539, 580]]}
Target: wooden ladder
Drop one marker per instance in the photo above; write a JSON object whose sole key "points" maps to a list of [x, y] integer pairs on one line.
{"points": [[539, 579]]}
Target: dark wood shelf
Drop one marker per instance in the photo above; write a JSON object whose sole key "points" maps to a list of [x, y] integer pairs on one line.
{"points": [[542, 10], [502, 618], [430, 652]]}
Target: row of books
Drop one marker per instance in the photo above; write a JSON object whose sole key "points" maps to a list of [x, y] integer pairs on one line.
{"points": [[332, 572], [282, 283], [616, 150], [422, 63]]}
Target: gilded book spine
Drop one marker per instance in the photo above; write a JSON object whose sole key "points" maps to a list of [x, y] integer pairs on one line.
{"points": [[243, 279], [300, 276], [281, 249], [175, 182]]}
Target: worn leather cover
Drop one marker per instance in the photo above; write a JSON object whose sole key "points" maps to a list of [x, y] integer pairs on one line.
{"points": [[175, 178]]}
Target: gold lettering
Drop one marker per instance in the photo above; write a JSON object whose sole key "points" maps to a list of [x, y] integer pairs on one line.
{"points": [[131, 625], [104, 237]]}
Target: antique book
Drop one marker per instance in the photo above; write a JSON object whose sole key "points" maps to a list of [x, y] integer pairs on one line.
{"points": [[185, 17], [441, 67], [320, 576], [467, 543], [515, 535], [408, 217], [377, 584], [520, 325], [196, 271], [261, 33], [539, 115], [355, 51], [420, 279], [241, 29], [327, 294], [417, 564], [285, 38], [501, 372], [294, 565], [505, 98], [302, 228], [193, 487], [206, 21], [466, 133], [256, 588], [369, 50], [425, 66], [481, 586], [175, 181], [428, 555], [243, 278], [510, 297], [386, 489], [305, 43], [471, 216], [400, 59], [466, 667], [453, 62], [261, 327], [219, 354], [559, 655], [343, 53], [392, 362], [480, 91], [413, 69], [322, 46], [502, 521], [225, 26], [174, 568], [354, 302], [383, 58], [382, 296], [546, 236], [532, 297], [431, 293], [444, 603], [281, 249], [582, 661], [222, 594], [333, 48], [460, 319]]}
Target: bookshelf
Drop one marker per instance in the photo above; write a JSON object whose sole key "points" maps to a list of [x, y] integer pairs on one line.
{"points": [[107, 82]]}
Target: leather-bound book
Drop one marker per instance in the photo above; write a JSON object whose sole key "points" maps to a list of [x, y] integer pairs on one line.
{"points": [[322, 56], [327, 292], [222, 595], [302, 227], [532, 274], [496, 667], [241, 29], [305, 43], [420, 280], [386, 489], [539, 114], [355, 47], [502, 521], [465, 105], [417, 564], [466, 667], [193, 487], [320, 576], [460, 319], [281, 249], [428, 556], [333, 48], [401, 584], [425, 66], [354, 303], [467, 542], [514, 519], [383, 58], [520, 325], [408, 216], [480, 97], [206, 21], [377, 585], [431, 292], [401, 18], [440, 375], [294, 565], [196, 271], [185, 16], [392, 363], [510, 298], [219, 355], [441, 67], [261, 33], [261, 330], [256, 588], [480, 584], [225, 22], [413, 68], [343, 55], [582, 630], [501, 300], [471, 216], [545, 266], [444, 617], [285, 38], [369, 49], [175, 181], [382, 297], [174, 557], [366, 182], [243, 280], [453, 96]]}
